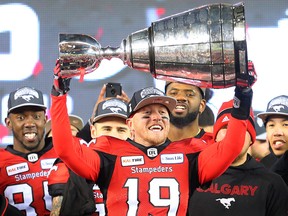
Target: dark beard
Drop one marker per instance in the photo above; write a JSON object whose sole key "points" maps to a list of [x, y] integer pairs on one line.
{"points": [[181, 122]]}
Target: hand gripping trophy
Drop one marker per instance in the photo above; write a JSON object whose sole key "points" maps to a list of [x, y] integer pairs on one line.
{"points": [[205, 46]]}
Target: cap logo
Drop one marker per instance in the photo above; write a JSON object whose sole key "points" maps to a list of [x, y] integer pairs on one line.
{"points": [[277, 108], [278, 103], [150, 91], [115, 106], [26, 94]]}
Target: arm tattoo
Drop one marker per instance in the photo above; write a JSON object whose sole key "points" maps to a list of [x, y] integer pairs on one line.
{"points": [[56, 205]]}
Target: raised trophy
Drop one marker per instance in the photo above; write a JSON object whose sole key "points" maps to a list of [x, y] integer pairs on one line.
{"points": [[204, 46]]}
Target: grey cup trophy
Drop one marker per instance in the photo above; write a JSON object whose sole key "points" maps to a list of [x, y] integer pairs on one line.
{"points": [[205, 46]]}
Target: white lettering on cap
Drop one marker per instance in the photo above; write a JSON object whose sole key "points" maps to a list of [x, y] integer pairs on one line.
{"points": [[151, 91], [26, 94], [114, 105]]}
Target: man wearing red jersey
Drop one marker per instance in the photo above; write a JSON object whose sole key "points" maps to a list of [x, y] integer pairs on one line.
{"points": [[65, 187], [24, 165], [147, 174], [184, 119]]}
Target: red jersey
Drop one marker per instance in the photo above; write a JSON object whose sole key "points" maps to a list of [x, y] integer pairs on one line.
{"points": [[138, 180], [58, 177], [24, 179]]}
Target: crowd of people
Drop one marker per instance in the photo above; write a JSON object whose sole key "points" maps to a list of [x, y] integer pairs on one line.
{"points": [[156, 153]]}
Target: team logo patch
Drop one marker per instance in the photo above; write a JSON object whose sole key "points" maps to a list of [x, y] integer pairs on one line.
{"points": [[132, 160], [152, 152], [32, 157], [172, 158], [226, 202], [17, 168], [150, 91], [114, 106], [47, 163], [26, 94]]}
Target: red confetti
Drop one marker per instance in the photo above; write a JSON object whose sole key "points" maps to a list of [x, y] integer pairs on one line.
{"points": [[160, 11], [99, 34], [37, 69], [4, 131]]}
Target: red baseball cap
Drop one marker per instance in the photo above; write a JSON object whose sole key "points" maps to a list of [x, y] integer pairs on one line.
{"points": [[224, 116]]}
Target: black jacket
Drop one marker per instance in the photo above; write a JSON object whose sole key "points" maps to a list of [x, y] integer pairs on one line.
{"points": [[281, 167], [8, 210], [249, 189]]}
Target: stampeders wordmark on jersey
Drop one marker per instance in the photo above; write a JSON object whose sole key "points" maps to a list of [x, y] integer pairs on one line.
{"points": [[23, 179]]}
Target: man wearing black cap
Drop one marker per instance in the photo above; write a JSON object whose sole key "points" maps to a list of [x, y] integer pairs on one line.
{"points": [[246, 187], [68, 189], [276, 123], [147, 174], [275, 120], [25, 164]]}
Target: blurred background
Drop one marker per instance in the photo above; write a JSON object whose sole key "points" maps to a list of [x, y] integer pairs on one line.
{"points": [[29, 46]]}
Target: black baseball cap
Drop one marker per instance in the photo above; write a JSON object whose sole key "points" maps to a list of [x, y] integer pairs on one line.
{"points": [[276, 106], [25, 96], [111, 107], [147, 96]]}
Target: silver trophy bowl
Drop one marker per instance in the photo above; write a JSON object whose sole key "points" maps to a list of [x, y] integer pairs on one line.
{"points": [[204, 46]]}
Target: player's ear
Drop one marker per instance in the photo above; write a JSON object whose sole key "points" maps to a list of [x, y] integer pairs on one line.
{"points": [[129, 123], [8, 123], [202, 105], [93, 131]]}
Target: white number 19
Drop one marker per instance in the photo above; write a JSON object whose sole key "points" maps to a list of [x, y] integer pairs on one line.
{"points": [[155, 185]]}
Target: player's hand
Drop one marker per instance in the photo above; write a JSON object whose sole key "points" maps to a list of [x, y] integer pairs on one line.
{"points": [[101, 97], [60, 84], [242, 102], [252, 73], [124, 97]]}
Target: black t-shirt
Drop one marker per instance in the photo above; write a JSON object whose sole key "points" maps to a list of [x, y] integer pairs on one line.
{"points": [[249, 189]]}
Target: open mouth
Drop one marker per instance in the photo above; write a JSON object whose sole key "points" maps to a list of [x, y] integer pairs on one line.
{"points": [[180, 108], [156, 128], [278, 144], [30, 136]]}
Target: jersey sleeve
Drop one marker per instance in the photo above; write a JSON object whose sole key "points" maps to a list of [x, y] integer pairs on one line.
{"points": [[217, 157], [57, 179], [80, 159]]}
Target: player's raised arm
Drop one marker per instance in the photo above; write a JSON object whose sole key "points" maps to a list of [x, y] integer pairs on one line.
{"points": [[215, 159], [66, 146]]}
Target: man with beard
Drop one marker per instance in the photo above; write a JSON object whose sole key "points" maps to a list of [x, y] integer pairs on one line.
{"points": [[185, 117], [191, 102], [24, 165]]}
